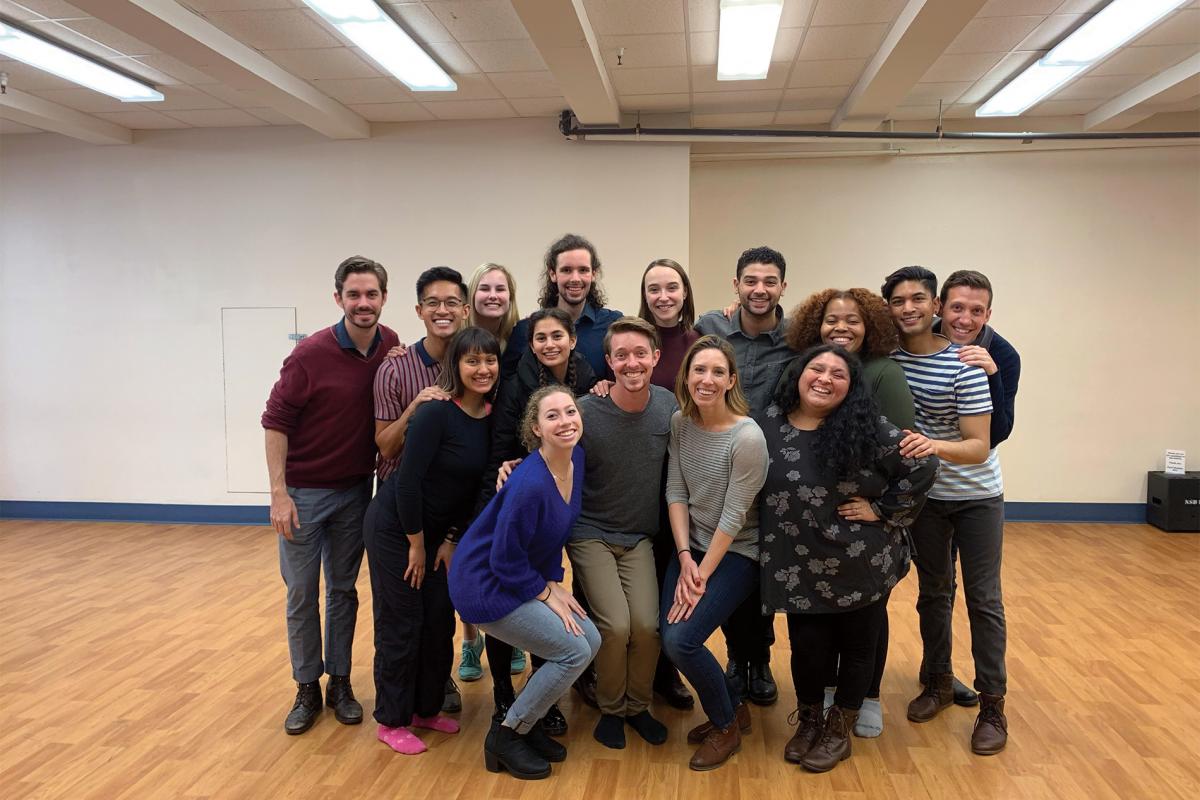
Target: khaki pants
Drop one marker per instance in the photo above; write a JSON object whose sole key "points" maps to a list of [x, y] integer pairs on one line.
{"points": [[622, 589]]}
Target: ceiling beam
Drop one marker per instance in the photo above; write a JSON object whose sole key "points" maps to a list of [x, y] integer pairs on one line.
{"points": [[190, 38], [30, 110], [922, 32], [561, 32], [1122, 111]]}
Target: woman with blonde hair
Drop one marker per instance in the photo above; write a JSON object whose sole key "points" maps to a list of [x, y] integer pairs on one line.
{"points": [[493, 293]]}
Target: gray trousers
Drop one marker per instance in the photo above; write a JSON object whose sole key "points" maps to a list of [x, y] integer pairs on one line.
{"points": [[330, 535], [976, 529]]}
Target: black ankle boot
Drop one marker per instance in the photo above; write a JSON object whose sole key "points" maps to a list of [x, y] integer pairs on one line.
{"points": [[340, 697], [544, 746], [306, 709], [506, 749]]}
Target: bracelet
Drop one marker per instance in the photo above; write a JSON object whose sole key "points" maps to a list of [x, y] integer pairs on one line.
{"points": [[684, 550], [547, 597]]}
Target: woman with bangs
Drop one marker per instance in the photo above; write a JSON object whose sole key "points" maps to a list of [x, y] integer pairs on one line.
{"points": [[409, 532]]}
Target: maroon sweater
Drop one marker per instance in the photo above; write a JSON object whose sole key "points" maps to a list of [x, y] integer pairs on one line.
{"points": [[323, 401], [675, 344]]}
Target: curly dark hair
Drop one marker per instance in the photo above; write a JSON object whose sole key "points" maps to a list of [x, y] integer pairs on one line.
{"points": [[548, 297], [545, 377], [804, 324], [846, 440]]}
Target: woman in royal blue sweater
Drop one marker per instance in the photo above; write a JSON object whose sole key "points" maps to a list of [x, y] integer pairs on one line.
{"points": [[506, 578]]}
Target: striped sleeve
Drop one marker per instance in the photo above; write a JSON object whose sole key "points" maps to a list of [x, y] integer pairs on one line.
{"points": [[387, 391], [972, 394]]}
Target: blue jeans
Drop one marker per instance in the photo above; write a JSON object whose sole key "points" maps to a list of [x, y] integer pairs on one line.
{"points": [[735, 578], [330, 535], [533, 627]]}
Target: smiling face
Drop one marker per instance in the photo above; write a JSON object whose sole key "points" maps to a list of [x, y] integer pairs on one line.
{"points": [[843, 324], [824, 384], [632, 358], [966, 311], [558, 425], [492, 297], [442, 309], [551, 343], [759, 289], [361, 299], [478, 371], [709, 378], [913, 307], [573, 276], [665, 294]]}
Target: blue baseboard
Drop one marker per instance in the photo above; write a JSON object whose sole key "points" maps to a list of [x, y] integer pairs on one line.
{"points": [[258, 515]]}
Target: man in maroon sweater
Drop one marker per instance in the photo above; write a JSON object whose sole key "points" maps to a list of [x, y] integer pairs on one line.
{"points": [[320, 435]]}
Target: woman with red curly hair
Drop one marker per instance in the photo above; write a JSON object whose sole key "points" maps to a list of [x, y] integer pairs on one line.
{"points": [[858, 320]]}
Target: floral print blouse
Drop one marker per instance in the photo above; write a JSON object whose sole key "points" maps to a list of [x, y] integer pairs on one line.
{"points": [[812, 560]]}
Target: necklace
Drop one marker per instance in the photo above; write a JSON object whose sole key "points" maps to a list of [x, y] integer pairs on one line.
{"points": [[562, 479]]}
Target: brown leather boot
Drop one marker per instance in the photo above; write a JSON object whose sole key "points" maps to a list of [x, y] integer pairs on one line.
{"points": [[833, 746], [808, 730], [717, 747], [991, 726], [741, 714], [936, 695]]}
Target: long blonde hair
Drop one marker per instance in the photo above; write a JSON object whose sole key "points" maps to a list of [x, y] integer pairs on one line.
{"points": [[509, 320]]}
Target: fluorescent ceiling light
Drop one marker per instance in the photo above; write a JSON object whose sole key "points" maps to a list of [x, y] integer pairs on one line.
{"points": [[747, 38], [1113, 26], [45, 55], [364, 23]]}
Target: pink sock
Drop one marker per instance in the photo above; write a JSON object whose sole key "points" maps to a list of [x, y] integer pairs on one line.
{"points": [[435, 723], [401, 740]]}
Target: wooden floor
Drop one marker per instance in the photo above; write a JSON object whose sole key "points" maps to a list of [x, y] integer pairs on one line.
{"points": [[150, 661]]}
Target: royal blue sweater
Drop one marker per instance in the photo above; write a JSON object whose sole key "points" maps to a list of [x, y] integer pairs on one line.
{"points": [[515, 545]]}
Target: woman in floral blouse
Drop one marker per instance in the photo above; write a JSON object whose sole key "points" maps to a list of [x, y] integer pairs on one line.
{"points": [[834, 512]]}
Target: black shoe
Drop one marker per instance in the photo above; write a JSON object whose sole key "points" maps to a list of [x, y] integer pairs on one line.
{"points": [[610, 732], [554, 723], [964, 696], [340, 697], [648, 727], [452, 702], [763, 691], [673, 691], [544, 746], [585, 684], [306, 710], [738, 677], [505, 749]]}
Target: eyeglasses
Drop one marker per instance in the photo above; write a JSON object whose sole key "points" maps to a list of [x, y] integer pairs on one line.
{"points": [[432, 303]]}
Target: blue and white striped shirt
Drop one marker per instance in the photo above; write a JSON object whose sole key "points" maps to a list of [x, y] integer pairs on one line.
{"points": [[943, 390]]}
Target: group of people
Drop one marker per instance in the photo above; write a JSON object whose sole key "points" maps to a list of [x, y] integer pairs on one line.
{"points": [[699, 474]]}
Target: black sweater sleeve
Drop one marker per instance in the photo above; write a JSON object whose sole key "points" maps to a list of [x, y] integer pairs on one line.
{"points": [[1003, 386]]}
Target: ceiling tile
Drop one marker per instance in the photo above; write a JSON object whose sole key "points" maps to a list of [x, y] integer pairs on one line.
{"points": [[610, 17], [993, 34], [138, 68], [84, 100], [703, 48], [1061, 108], [471, 109], [58, 32], [275, 30], [218, 118], [230, 95], [422, 23], [1018, 8], [479, 20], [142, 120], [1081, 6], [515, 55], [1182, 27], [1144, 60], [1097, 87], [703, 15], [109, 36], [453, 58], [323, 63], [25, 78], [652, 50], [26, 10], [241, 5], [656, 102], [539, 106], [727, 102], [178, 70], [526, 84], [931, 93], [187, 98], [842, 41], [1012, 64], [392, 112], [812, 99], [364, 90], [856, 12], [704, 79], [835, 72], [786, 43], [271, 116], [962, 67], [980, 91], [470, 87], [658, 80], [753, 119], [796, 13], [1051, 31], [905, 113], [817, 116]]}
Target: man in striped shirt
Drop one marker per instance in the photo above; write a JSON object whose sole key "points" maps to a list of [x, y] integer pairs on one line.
{"points": [[964, 510]]}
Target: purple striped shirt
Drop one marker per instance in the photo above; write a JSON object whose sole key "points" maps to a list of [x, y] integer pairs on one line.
{"points": [[397, 383]]}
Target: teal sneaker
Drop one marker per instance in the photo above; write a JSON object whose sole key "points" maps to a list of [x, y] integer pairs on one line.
{"points": [[469, 667], [518, 661]]}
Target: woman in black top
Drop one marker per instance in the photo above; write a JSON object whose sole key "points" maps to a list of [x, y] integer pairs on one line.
{"points": [[834, 515], [408, 533]]}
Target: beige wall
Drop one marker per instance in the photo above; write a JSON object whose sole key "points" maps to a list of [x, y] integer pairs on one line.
{"points": [[116, 262], [1095, 258]]}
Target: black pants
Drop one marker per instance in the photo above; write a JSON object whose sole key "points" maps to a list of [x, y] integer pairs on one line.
{"points": [[664, 550], [749, 633], [881, 651], [414, 628], [814, 637]]}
